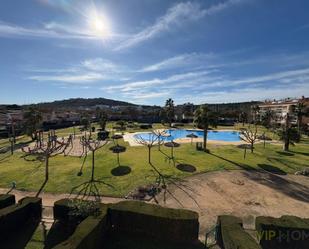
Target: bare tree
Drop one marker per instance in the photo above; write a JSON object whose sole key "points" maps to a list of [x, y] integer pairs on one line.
{"points": [[160, 134], [149, 143], [90, 188], [51, 148], [250, 136], [93, 146]]}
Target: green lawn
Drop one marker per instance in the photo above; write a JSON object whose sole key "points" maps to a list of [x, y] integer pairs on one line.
{"points": [[29, 175]]}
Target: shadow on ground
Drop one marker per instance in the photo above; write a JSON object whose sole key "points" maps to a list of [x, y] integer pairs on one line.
{"points": [[285, 186], [20, 238], [271, 169], [186, 167], [121, 171]]}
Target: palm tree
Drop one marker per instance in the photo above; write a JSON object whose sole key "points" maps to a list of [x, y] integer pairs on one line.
{"points": [[255, 111], [102, 119], [300, 112], [32, 120], [203, 117], [288, 134], [170, 111], [267, 118], [243, 117]]}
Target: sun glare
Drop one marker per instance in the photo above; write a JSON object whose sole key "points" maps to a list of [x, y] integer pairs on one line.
{"points": [[99, 25]]}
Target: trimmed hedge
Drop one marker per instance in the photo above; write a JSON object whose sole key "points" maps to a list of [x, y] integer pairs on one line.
{"points": [[89, 234], [6, 200], [286, 232], [166, 224], [13, 217], [64, 208], [231, 234]]}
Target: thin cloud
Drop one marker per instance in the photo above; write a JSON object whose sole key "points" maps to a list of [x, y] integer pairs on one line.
{"points": [[175, 16], [131, 86], [52, 31], [74, 79]]}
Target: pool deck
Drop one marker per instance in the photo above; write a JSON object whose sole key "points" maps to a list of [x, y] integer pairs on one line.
{"points": [[129, 137]]}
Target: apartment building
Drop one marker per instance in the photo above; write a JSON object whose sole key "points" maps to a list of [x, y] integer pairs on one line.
{"points": [[280, 108]]}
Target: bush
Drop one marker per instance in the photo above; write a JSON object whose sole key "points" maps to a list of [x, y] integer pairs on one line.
{"points": [[231, 234], [102, 135], [286, 232], [6, 200], [141, 219], [75, 210], [145, 126], [89, 234], [13, 217]]}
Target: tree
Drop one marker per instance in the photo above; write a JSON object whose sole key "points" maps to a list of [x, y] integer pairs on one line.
{"points": [[300, 112], [288, 134], [85, 122], [32, 120], [255, 112], [203, 117], [149, 143], [51, 148], [250, 136], [169, 110], [122, 124], [267, 118], [93, 146], [243, 117], [102, 119]]}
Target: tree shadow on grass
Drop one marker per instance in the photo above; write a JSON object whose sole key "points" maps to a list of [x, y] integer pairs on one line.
{"points": [[121, 171], [285, 186], [272, 169], [301, 153], [89, 189], [240, 165], [164, 180], [290, 164], [41, 188], [285, 153]]}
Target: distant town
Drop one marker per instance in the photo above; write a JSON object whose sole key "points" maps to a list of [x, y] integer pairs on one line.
{"points": [[67, 113]]}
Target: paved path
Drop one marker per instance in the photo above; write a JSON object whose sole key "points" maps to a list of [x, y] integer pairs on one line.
{"points": [[48, 199]]}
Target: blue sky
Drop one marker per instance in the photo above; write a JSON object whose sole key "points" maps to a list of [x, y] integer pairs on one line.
{"points": [[145, 51]]}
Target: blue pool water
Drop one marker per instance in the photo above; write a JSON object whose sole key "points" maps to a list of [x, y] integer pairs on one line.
{"points": [[228, 136]]}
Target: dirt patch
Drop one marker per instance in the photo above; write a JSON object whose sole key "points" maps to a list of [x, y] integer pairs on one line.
{"points": [[241, 193]]}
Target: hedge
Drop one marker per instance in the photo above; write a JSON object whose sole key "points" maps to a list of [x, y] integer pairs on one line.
{"points": [[284, 233], [231, 234], [165, 224], [13, 217], [6, 200], [89, 234], [64, 208]]}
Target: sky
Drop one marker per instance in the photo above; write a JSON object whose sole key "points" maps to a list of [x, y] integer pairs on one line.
{"points": [[145, 51]]}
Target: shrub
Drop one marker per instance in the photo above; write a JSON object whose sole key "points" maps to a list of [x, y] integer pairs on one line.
{"points": [[89, 234], [284, 233], [141, 219], [231, 234], [102, 135], [6, 200], [13, 217], [75, 210], [145, 126]]}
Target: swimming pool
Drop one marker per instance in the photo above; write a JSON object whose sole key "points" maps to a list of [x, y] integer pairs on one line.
{"points": [[227, 136]]}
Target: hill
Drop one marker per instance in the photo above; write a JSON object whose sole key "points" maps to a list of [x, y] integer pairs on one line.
{"points": [[81, 102]]}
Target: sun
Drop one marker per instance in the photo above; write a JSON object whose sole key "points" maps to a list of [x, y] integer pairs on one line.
{"points": [[99, 25]]}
